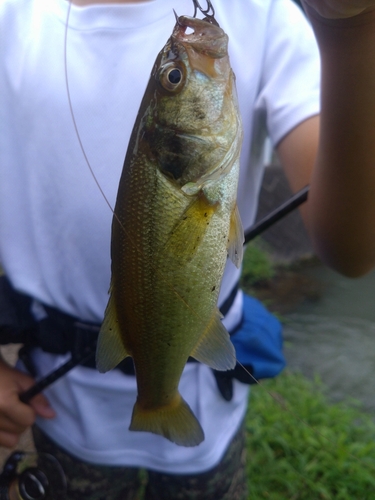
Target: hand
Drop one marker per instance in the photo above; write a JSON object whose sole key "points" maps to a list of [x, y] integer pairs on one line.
{"points": [[340, 9], [16, 417]]}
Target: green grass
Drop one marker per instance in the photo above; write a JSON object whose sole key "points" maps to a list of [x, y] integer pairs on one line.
{"points": [[300, 446], [257, 265]]}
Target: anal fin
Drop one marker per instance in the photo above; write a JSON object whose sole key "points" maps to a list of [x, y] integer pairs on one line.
{"points": [[110, 350], [214, 347]]}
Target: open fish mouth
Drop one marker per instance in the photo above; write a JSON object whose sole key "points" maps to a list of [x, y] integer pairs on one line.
{"points": [[203, 36]]}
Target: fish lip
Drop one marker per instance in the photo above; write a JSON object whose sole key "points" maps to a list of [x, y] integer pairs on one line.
{"points": [[206, 38]]}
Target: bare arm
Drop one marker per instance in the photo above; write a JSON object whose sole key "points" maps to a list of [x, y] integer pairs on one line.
{"points": [[339, 162]]}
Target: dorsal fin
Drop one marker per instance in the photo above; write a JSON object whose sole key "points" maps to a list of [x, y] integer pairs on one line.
{"points": [[236, 238]]}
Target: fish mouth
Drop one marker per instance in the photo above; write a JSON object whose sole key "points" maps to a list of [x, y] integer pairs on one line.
{"points": [[202, 36]]}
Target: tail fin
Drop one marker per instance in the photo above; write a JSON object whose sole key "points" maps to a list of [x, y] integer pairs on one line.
{"points": [[175, 422]]}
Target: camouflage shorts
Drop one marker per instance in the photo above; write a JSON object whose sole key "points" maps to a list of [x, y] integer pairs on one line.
{"points": [[226, 481]]}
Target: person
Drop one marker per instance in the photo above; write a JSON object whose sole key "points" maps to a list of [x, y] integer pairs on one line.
{"points": [[55, 225]]}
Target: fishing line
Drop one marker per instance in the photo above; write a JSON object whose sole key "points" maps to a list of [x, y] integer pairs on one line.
{"points": [[71, 108]]}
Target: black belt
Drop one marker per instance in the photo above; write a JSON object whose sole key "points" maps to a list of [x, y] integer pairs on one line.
{"points": [[227, 304], [60, 333], [75, 335]]}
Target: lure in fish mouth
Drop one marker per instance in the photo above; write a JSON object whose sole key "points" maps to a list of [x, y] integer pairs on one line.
{"points": [[175, 222]]}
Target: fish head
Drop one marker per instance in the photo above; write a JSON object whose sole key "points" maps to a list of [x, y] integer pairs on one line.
{"points": [[192, 122]]}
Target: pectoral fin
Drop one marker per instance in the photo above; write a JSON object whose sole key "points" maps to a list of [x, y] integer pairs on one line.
{"points": [[236, 238], [110, 349], [214, 347], [187, 235]]}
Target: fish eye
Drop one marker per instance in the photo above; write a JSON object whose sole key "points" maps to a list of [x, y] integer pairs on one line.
{"points": [[172, 77]]}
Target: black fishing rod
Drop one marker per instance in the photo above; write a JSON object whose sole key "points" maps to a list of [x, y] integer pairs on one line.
{"points": [[46, 381], [258, 228], [294, 202]]}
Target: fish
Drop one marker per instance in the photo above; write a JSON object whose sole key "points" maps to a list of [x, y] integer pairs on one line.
{"points": [[175, 223]]}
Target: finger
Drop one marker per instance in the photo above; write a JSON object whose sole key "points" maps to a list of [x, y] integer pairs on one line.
{"points": [[42, 407], [38, 403], [9, 426], [11, 408], [8, 440], [16, 417]]}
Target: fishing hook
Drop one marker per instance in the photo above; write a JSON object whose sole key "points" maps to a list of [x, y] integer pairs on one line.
{"points": [[206, 12]]}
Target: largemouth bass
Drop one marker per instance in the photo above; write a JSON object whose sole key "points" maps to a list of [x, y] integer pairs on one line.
{"points": [[175, 221]]}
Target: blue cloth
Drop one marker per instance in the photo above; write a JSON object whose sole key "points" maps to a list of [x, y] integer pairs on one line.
{"points": [[258, 340]]}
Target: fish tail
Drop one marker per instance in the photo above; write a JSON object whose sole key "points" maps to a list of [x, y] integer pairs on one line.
{"points": [[174, 421]]}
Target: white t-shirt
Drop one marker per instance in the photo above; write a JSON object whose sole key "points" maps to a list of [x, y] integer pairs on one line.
{"points": [[54, 221]]}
